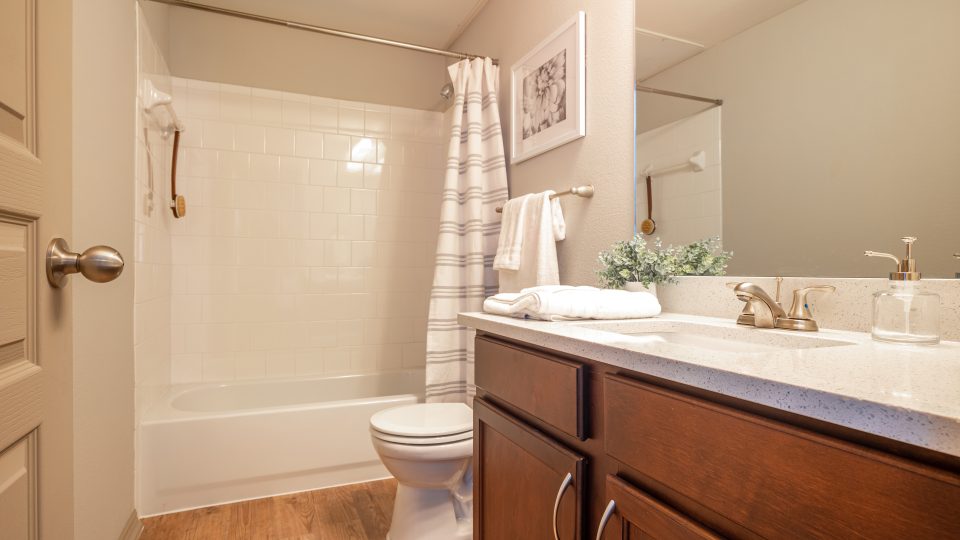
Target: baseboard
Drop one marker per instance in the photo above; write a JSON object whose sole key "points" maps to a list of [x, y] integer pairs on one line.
{"points": [[133, 527]]}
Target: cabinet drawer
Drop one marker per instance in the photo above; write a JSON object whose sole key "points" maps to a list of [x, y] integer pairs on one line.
{"points": [[548, 388], [773, 479]]}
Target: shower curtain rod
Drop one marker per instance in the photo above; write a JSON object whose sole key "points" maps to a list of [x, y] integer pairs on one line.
{"points": [[677, 95], [318, 29]]}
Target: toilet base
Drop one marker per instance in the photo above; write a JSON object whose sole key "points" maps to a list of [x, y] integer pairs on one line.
{"points": [[427, 514]]}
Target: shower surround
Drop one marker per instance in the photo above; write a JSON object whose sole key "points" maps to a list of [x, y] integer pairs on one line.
{"points": [[306, 254], [309, 238]]}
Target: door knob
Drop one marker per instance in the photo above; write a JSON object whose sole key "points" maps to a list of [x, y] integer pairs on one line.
{"points": [[99, 264]]}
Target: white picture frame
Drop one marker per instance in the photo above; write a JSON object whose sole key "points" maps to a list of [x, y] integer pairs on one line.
{"points": [[544, 117]]}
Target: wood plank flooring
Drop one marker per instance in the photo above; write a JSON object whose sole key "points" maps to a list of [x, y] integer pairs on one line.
{"points": [[354, 512]]}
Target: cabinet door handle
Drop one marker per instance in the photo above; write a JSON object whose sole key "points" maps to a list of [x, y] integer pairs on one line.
{"points": [[611, 506], [567, 480]]}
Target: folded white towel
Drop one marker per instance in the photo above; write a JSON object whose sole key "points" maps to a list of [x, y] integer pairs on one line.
{"points": [[543, 226], [512, 225], [561, 302]]}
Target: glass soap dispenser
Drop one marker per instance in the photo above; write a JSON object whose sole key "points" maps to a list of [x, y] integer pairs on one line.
{"points": [[903, 313]]}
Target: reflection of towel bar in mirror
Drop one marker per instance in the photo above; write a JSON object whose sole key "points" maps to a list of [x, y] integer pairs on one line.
{"points": [[580, 191], [697, 162]]}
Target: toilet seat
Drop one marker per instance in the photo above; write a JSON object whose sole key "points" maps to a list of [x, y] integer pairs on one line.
{"points": [[424, 424], [443, 439]]}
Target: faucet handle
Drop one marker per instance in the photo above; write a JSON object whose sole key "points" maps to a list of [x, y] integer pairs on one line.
{"points": [[799, 309]]}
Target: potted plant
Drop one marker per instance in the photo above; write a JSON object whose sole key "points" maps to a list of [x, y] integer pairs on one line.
{"points": [[634, 266]]}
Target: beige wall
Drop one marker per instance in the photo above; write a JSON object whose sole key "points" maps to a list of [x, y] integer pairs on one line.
{"points": [[224, 49], [104, 79], [508, 30], [840, 127]]}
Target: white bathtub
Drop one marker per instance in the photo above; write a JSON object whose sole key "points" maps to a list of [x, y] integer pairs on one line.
{"points": [[215, 443]]}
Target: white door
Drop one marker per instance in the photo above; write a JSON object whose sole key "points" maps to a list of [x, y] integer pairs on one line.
{"points": [[35, 319]]}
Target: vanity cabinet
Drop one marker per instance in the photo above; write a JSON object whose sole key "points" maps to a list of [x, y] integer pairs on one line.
{"points": [[680, 462]]}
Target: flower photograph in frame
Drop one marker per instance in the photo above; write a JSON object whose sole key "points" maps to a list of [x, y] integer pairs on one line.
{"points": [[548, 92]]}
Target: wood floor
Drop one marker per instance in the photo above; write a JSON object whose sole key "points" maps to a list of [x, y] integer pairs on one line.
{"points": [[355, 512]]}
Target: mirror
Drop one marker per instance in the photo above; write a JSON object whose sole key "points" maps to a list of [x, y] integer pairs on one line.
{"points": [[839, 131]]}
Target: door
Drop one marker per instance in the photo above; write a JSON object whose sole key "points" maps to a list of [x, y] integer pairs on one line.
{"points": [[526, 485], [642, 516], [35, 319]]}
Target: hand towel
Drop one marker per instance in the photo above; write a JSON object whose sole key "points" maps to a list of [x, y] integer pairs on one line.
{"points": [[560, 303], [512, 225], [543, 226]]}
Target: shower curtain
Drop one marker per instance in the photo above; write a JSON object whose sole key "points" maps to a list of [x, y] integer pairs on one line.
{"points": [[475, 184]]}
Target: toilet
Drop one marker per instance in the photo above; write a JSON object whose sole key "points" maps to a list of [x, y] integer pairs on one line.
{"points": [[428, 447]]}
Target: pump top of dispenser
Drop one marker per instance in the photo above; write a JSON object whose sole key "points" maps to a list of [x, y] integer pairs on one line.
{"points": [[906, 267]]}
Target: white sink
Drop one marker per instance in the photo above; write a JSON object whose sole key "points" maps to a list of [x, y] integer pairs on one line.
{"points": [[654, 334]]}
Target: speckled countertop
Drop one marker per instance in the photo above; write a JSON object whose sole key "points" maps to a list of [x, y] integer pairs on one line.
{"points": [[906, 393]]}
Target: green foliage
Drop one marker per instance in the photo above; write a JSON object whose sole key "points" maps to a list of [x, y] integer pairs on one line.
{"points": [[633, 260]]}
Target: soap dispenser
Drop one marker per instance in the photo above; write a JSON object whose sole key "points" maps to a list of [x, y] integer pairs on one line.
{"points": [[903, 313]]}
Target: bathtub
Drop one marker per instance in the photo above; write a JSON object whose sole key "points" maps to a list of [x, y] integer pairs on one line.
{"points": [[209, 444]]}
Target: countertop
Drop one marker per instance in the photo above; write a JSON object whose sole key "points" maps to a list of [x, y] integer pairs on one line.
{"points": [[902, 392]]}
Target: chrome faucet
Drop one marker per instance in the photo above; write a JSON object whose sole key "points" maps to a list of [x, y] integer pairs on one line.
{"points": [[763, 311]]}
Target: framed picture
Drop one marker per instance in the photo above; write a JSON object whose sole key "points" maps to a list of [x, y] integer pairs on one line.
{"points": [[548, 93]]}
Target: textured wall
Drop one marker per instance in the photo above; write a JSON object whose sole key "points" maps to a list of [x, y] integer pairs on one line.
{"points": [[507, 31]]}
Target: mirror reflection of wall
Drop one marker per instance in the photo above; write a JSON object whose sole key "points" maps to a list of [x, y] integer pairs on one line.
{"points": [[840, 123]]}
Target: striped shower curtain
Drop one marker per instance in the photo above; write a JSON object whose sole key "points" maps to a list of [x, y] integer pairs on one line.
{"points": [[475, 184]]}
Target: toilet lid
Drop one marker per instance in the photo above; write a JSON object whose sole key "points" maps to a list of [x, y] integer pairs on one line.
{"points": [[424, 420]]}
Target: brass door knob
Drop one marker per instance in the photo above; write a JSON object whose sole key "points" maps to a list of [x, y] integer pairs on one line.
{"points": [[99, 264]]}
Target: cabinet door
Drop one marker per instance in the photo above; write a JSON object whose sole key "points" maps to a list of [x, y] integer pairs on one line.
{"points": [[773, 479], [642, 516], [526, 484]]}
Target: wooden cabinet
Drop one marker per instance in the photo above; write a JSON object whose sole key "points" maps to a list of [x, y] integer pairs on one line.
{"points": [[642, 516], [526, 484], [774, 479], [682, 463], [556, 399]]}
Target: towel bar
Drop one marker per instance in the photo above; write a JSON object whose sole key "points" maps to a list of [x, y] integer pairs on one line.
{"points": [[580, 191]]}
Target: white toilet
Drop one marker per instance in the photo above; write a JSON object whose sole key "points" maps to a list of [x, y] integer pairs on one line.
{"points": [[428, 447]]}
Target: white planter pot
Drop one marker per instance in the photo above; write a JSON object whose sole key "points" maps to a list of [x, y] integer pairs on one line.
{"points": [[636, 286]]}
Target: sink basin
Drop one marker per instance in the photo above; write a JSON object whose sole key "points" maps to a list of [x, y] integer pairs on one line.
{"points": [[652, 333]]}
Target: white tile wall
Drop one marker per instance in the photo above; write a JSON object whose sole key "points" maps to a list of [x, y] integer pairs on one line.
{"points": [[687, 205], [152, 220], [309, 237]]}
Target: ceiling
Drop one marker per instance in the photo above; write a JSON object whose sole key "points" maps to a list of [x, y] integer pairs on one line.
{"points": [[434, 23], [669, 32]]}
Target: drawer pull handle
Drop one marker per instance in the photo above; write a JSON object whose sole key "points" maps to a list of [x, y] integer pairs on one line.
{"points": [[606, 517], [567, 480]]}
